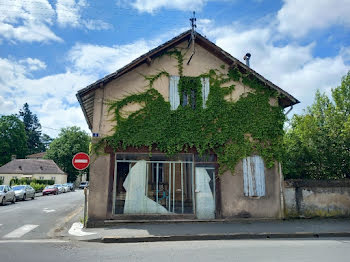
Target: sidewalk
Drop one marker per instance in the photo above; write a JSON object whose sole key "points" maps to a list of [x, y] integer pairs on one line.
{"points": [[242, 229]]}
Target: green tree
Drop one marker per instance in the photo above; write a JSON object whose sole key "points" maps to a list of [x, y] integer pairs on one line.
{"points": [[318, 142], [46, 141], [32, 129], [13, 139], [70, 141]]}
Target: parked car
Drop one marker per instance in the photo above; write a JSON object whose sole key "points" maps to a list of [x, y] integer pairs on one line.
{"points": [[84, 184], [7, 195], [50, 190], [66, 188], [71, 186], [60, 188], [23, 192]]}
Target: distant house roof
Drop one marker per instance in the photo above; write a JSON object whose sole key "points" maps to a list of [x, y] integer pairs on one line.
{"points": [[36, 156], [86, 95], [30, 166]]}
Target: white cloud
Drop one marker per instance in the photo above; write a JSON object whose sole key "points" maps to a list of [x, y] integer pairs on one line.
{"points": [[96, 25], [298, 17], [291, 66], [150, 6], [27, 21], [103, 59], [52, 97], [7, 106], [69, 14], [31, 20], [33, 64]]}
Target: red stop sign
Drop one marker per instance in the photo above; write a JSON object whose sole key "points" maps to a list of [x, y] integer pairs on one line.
{"points": [[81, 161]]}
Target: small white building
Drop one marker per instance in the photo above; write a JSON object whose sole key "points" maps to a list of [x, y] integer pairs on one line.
{"points": [[39, 169]]}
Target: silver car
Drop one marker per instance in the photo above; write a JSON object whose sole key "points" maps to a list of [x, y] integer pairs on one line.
{"points": [[7, 195], [60, 188], [23, 192]]}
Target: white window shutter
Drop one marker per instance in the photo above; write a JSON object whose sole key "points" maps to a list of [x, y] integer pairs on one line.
{"points": [[254, 176], [205, 90], [174, 97]]}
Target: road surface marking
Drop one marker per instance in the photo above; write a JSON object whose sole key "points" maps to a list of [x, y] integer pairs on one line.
{"points": [[34, 241], [21, 231], [46, 210], [80, 161], [77, 230]]}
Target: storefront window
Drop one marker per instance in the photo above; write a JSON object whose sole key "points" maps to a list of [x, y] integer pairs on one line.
{"points": [[154, 184]]}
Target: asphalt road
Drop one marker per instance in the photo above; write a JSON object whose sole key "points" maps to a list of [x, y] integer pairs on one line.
{"points": [[38, 218], [223, 250]]}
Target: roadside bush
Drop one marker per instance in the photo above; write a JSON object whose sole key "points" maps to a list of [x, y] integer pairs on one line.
{"points": [[26, 181], [37, 187]]}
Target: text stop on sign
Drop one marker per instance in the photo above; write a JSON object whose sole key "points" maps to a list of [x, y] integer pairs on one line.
{"points": [[81, 161]]}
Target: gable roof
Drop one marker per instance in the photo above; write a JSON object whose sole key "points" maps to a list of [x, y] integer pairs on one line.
{"points": [[86, 95], [36, 156], [30, 166]]}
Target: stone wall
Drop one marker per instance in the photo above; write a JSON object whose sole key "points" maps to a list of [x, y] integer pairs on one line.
{"points": [[309, 198]]}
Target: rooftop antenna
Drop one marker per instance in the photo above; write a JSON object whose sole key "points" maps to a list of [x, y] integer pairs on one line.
{"points": [[193, 22], [193, 35]]}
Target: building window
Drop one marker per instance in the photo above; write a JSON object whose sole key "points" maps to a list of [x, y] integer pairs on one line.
{"points": [[14, 177], [158, 166], [254, 176], [53, 178], [41, 178], [174, 97], [2, 178]]}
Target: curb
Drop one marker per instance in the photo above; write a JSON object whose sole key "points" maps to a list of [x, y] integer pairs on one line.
{"points": [[233, 236]]}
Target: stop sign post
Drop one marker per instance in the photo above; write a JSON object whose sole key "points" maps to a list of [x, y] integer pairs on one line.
{"points": [[81, 161]]}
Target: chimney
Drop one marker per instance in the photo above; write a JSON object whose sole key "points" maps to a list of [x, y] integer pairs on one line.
{"points": [[13, 157], [246, 58]]}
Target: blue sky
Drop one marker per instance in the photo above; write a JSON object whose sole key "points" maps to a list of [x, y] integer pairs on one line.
{"points": [[49, 49]]}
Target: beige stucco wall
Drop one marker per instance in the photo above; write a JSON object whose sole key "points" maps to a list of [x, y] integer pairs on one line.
{"points": [[234, 204], [98, 187], [59, 178]]}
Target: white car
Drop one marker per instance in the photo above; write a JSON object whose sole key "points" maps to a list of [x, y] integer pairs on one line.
{"points": [[7, 195], [66, 188]]}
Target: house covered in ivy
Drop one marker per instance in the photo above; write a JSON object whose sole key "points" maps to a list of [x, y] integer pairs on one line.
{"points": [[186, 131]]}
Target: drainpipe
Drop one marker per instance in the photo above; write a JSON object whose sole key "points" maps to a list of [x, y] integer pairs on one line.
{"points": [[290, 109], [282, 216], [247, 58]]}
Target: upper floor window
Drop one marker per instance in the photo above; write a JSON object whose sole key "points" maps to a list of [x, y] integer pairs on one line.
{"points": [[254, 176], [188, 95]]}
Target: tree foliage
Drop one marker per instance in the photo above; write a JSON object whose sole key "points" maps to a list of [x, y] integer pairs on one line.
{"points": [[32, 129], [70, 141], [13, 139], [318, 142]]}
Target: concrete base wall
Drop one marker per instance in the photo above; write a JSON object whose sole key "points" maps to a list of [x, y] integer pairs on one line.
{"points": [[235, 204], [98, 187], [317, 198]]}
